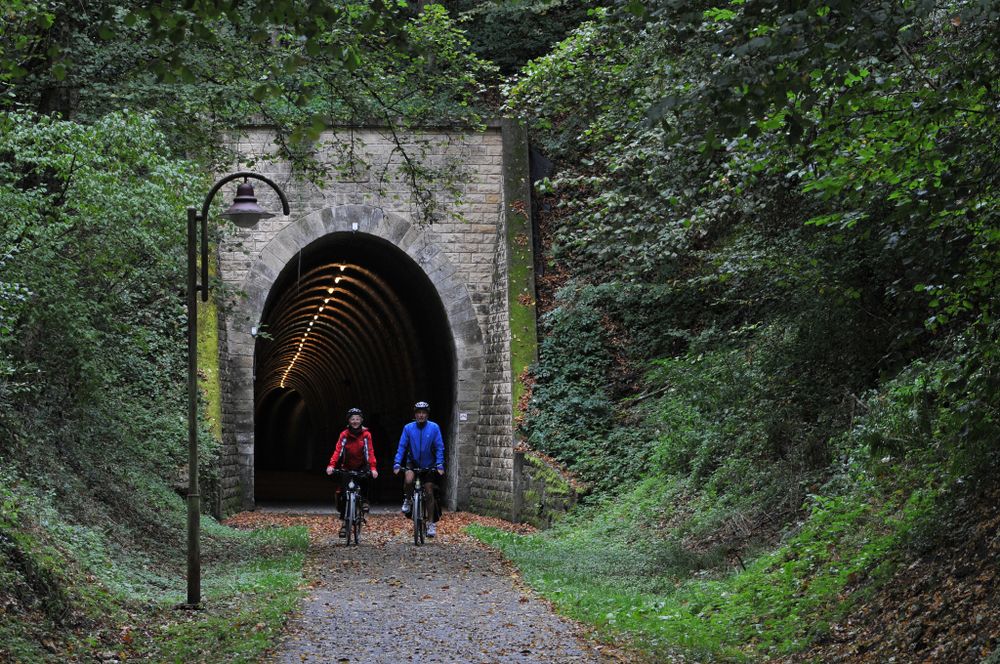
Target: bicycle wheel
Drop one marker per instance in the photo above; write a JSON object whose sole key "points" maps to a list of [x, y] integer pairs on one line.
{"points": [[418, 511], [350, 516], [425, 519]]}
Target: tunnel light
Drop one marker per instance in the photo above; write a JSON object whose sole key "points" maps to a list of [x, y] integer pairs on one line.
{"points": [[316, 317], [330, 290], [326, 301], [337, 280], [343, 267], [321, 309]]}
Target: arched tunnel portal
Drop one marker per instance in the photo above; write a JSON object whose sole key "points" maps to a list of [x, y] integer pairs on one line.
{"points": [[351, 321]]}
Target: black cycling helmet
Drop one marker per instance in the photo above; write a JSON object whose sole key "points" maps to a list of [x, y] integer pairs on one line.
{"points": [[422, 405], [355, 411]]}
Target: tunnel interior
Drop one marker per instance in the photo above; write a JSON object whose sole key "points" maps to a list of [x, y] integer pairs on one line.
{"points": [[351, 321]]}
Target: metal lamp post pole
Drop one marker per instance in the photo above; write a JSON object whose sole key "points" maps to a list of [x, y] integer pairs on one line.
{"points": [[194, 491], [244, 213]]}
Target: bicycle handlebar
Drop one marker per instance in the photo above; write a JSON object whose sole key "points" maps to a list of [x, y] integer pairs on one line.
{"points": [[352, 473]]}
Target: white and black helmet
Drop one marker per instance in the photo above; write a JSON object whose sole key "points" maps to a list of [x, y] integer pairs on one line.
{"points": [[422, 405], [355, 411]]}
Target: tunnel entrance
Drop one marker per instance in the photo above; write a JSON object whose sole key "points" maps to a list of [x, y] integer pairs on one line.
{"points": [[351, 321]]}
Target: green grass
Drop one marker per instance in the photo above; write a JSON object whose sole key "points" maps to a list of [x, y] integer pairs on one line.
{"points": [[246, 603], [632, 584], [69, 589]]}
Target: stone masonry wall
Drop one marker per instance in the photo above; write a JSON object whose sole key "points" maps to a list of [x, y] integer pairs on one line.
{"points": [[544, 493], [511, 335], [458, 251], [492, 481]]}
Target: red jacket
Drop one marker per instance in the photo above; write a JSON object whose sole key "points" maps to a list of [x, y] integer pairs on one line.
{"points": [[354, 450]]}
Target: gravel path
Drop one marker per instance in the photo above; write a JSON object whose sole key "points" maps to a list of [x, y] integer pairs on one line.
{"points": [[452, 600]]}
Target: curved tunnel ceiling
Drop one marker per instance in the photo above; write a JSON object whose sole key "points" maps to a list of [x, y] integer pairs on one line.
{"points": [[351, 321], [337, 314]]}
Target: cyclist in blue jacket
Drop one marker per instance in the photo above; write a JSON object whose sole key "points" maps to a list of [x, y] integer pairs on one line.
{"points": [[420, 446]]}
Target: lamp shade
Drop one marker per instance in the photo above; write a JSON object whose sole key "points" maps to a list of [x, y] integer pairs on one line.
{"points": [[244, 212]]}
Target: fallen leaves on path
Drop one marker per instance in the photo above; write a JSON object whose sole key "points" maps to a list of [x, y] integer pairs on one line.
{"points": [[378, 526]]}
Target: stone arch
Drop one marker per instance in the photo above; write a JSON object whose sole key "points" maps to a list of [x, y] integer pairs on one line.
{"points": [[419, 243]]}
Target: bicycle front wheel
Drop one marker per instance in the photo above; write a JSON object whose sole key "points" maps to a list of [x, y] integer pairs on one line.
{"points": [[418, 513], [350, 517]]}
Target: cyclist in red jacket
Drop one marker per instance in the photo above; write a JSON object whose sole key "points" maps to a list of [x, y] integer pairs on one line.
{"points": [[354, 451]]}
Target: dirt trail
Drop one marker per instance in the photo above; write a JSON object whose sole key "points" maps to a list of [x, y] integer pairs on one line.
{"points": [[452, 600]]}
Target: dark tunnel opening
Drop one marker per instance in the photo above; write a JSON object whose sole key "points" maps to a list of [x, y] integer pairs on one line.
{"points": [[352, 321]]}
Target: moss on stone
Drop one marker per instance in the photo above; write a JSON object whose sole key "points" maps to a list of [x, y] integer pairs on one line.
{"points": [[520, 258], [209, 381], [555, 484]]}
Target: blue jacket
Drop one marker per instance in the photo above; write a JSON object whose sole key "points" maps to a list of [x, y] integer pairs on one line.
{"points": [[425, 446]]}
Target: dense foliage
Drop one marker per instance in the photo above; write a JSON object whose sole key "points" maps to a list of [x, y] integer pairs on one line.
{"points": [[91, 361], [509, 33], [208, 68], [816, 238], [94, 258], [774, 229]]}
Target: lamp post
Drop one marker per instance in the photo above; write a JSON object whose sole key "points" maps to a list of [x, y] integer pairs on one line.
{"points": [[245, 213]]}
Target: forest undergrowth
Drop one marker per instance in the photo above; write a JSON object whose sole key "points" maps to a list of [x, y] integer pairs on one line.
{"points": [[768, 339]]}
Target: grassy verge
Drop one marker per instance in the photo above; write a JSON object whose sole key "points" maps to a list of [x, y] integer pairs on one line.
{"points": [[69, 590], [247, 600], [638, 585]]}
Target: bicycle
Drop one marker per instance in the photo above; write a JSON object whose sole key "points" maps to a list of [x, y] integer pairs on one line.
{"points": [[419, 507], [353, 516]]}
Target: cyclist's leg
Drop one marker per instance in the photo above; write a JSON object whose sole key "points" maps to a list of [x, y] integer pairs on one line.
{"points": [[342, 505], [429, 496], [359, 519], [365, 484], [341, 502], [408, 479]]}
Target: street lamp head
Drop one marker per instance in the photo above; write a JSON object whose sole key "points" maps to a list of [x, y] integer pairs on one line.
{"points": [[244, 212]]}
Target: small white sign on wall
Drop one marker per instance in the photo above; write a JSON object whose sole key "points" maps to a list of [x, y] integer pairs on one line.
{"points": [[463, 417]]}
